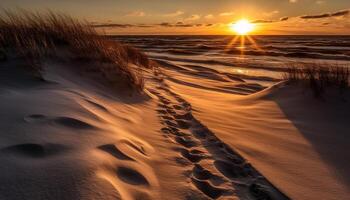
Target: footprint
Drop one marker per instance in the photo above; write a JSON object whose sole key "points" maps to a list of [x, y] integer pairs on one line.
{"points": [[200, 173], [183, 124], [177, 107], [185, 104], [164, 101], [180, 134], [186, 116], [174, 129], [34, 150], [166, 130], [131, 176], [165, 117], [193, 155], [170, 123], [208, 189], [114, 151], [161, 111], [230, 170], [73, 123], [186, 142], [163, 106]]}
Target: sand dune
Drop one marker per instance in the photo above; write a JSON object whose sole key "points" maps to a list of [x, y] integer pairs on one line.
{"points": [[62, 140], [296, 141], [67, 137], [188, 136]]}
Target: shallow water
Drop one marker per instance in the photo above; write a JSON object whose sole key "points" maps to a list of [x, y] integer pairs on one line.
{"points": [[259, 56]]}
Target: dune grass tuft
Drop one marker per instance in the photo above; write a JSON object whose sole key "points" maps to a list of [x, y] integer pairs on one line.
{"points": [[319, 76], [34, 36]]}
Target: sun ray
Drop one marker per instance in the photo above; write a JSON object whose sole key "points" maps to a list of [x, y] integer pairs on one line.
{"points": [[242, 28], [232, 42], [242, 45], [255, 45]]}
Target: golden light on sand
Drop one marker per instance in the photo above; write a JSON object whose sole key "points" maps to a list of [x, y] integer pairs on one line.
{"points": [[242, 27]]}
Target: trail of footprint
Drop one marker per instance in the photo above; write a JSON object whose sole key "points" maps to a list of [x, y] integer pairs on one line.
{"points": [[175, 114], [182, 119]]}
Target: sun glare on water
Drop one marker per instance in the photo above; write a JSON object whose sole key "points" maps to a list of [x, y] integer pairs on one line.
{"points": [[242, 27]]}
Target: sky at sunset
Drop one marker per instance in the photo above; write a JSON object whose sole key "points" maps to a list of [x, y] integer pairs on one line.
{"points": [[202, 16]]}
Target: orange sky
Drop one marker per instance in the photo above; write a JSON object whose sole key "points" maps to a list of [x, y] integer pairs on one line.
{"points": [[202, 16]]}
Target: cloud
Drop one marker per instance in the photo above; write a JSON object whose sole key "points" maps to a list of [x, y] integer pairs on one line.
{"points": [[165, 24], [116, 25], [144, 25], [264, 21], [340, 13], [136, 14], [210, 16], [182, 24], [326, 15], [193, 17], [111, 25], [226, 14], [284, 19], [174, 14]]}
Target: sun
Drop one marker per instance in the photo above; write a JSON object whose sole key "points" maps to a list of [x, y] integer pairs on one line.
{"points": [[242, 27]]}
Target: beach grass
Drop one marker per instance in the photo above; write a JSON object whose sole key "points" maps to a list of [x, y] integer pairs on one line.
{"points": [[318, 76], [35, 36]]}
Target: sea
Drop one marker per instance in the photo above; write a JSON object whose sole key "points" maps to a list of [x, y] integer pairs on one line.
{"points": [[263, 57]]}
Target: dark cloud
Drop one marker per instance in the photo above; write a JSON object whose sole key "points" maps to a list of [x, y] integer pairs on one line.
{"points": [[165, 24], [144, 26], [263, 21], [340, 13], [184, 25], [315, 16], [284, 19], [326, 15], [178, 24], [112, 25]]}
